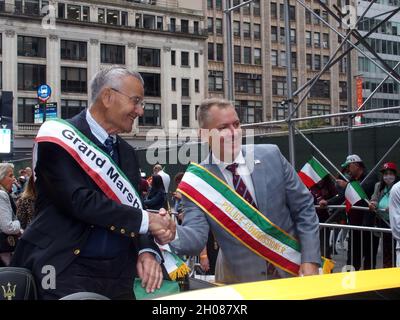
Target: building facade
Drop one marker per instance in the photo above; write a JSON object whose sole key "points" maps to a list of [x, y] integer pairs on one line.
{"points": [[386, 42], [65, 43], [260, 59]]}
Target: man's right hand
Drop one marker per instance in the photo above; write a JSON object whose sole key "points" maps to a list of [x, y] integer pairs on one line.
{"points": [[162, 227]]}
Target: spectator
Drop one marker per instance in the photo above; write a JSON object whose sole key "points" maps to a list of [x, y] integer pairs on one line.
{"points": [[380, 204], [394, 214], [9, 224], [26, 204], [156, 198]]}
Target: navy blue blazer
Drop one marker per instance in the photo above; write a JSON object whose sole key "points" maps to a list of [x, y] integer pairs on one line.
{"points": [[69, 204]]}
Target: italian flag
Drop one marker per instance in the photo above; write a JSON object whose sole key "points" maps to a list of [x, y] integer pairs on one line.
{"points": [[312, 172], [354, 193]]}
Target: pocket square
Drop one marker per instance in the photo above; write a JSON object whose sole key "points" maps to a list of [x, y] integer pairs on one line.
{"points": [[257, 161]]}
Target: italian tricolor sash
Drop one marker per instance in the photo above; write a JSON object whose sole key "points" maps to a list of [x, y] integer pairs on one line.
{"points": [[104, 172], [243, 221]]}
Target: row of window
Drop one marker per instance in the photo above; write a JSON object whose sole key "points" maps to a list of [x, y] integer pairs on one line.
{"points": [[388, 27], [282, 36], [365, 65], [185, 114], [115, 54], [384, 46], [315, 39], [185, 86], [245, 56], [245, 29], [386, 87], [280, 112], [215, 51]]}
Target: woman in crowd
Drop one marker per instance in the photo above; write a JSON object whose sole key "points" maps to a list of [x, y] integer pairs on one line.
{"points": [[26, 204], [156, 198], [380, 204], [10, 227]]}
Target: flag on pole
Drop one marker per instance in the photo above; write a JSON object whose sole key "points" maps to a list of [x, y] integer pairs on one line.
{"points": [[354, 193], [312, 172]]}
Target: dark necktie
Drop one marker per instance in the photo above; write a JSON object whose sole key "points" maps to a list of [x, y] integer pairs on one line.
{"points": [[239, 185], [111, 148]]}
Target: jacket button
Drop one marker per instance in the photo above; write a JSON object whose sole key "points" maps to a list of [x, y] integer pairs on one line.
{"points": [[77, 252], [132, 234], [112, 228], [123, 231]]}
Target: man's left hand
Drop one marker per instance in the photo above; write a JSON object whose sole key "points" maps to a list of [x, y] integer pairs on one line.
{"points": [[149, 270], [308, 269]]}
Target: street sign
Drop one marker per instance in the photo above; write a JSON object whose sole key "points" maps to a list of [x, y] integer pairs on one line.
{"points": [[44, 111], [44, 92]]}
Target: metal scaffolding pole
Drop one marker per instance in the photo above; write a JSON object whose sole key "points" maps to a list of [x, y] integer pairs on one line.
{"points": [[289, 100]]}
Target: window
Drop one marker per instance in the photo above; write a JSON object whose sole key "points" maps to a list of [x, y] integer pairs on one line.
{"points": [[149, 22], [148, 57], [321, 89], [309, 61], [257, 31], [184, 26], [185, 59], [274, 34], [256, 8], [236, 54], [283, 59], [274, 10], [249, 111], [73, 50], [1, 75], [174, 111], [257, 56], [210, 24], [73, 12], [218, 26], [70, 108], [196, 29], [210, 51], [151, 116], [342, 90], [279, 85], [246, 30], [220, 52], [325, 60], [294, 60], [316, 110], [292, 12], [61, 10], [185, 115], [31, 76], [317, 39], [325, 40], [248, 83], [317, 62], [73, 80], [292, 36], [101, 16], [124, 18], [308, 16], [26, 110], [152, 84], [218, 4], [173, 57], [196, 59], [236, 28], [112, 54], [210, 4], [172, 25], [185, 87], [247, 55], [215, 81], [173, 84], [274, 57], [196, 107], [31, 47], [196, 85], [308, 39]]}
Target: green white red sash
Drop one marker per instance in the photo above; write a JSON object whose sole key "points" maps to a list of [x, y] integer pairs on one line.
{"points": [[104, 172], [243, 221]]}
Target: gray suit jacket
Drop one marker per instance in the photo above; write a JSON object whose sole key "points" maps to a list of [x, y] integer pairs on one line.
{"points": [[280, 196]]}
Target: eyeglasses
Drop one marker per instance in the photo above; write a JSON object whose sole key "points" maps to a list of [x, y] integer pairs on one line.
{"points": [[134, 99]]}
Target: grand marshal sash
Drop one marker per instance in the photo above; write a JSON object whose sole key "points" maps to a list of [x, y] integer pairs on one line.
{"points": [[104, 172], [243, 221]]}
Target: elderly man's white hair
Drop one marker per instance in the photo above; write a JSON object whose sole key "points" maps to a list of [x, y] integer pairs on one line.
{"points": [[110, 77], [4, 167]]}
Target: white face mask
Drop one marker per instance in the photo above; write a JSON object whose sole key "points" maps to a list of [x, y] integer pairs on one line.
{"points": [[389, 178]]}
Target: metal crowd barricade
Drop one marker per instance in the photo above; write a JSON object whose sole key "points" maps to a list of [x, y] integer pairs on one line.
{"points": [[357, 247]]}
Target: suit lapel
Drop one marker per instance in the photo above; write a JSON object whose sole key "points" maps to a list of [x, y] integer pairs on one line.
{"points": [[258, 176]]}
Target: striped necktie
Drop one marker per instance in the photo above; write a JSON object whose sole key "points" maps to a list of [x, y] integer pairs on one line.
{"points": [[239, 185], [110, 147]]}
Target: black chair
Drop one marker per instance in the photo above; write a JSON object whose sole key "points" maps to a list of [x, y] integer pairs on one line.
{"points": [[17, 284]]}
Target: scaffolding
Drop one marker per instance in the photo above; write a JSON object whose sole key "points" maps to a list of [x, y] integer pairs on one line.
{"points": [[344, 49]]}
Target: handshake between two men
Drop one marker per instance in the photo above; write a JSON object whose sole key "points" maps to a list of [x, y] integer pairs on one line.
{"points": [[162, 226]]}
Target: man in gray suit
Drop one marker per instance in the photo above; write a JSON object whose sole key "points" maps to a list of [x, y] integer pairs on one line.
{"points": [[275, 189]]}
